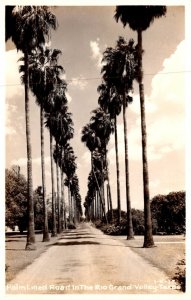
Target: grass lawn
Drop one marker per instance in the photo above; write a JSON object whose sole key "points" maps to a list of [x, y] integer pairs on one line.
{"points": [[17, 258], [168, 251]]}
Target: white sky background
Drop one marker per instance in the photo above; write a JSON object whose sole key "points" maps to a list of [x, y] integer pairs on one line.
{"points": [[82, 36]]}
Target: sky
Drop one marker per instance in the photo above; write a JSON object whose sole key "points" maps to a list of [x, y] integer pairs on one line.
{"points": [[83, 34]]}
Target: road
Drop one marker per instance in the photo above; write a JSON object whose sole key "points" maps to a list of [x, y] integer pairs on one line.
{"points": [[85, 261]]}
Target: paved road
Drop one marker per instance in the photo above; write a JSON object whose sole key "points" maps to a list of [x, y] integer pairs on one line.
{"points": [[87, 261]]}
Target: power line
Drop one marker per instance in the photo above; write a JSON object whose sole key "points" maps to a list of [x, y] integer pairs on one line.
{"points": [[100, 78]]}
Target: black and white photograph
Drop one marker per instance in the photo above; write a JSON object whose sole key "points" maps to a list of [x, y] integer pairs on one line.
{"points": [[95, 186]]}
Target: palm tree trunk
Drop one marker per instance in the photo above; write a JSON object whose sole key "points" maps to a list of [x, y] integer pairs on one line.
{"points": [[74, 210], [46, 237], [148, 237], [108, 203], [99, 190], [58, 192], [30, 245], [70, 204], [102, 208], [54, 231], [130, 234], [109, 188], [95, 205], [58, 198], [117, 171], [110, 200], [63, 201]]}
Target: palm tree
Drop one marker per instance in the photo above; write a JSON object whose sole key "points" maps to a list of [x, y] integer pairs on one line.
{"points": [[139, 19], [102, 125], [76, 198], [56, 102], [56, 155], [119, 71], [69, 167], [93, 143], [31, 26], [109, 101], [63, 131], [43, 73]]}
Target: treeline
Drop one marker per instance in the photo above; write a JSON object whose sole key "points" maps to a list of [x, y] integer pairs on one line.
{"points": [[16, 205], [168, 217]]}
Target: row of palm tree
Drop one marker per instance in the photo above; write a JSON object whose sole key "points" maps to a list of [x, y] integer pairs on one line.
{"points": [[42, 75], [139, 19], [96, 137], [30, 30], [118, 72], [121, 66]]}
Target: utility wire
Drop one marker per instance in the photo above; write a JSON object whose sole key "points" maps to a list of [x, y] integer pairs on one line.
{"points": [[100, 78]]}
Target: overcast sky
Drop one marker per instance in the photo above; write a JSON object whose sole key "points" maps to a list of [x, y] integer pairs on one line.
{"points": [[82, 36]]}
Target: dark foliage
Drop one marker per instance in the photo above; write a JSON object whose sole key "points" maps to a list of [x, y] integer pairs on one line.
{"points": [[139, 17], [16, 201], [168, 217], [169, 212], [8, 21], [117, 228], [180, 276]]}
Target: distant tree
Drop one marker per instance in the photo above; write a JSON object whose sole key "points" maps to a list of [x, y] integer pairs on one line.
{"points": [[138, 221], [169, 211], [15, 199]]}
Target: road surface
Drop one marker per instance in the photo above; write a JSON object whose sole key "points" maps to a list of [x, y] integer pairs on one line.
{"points": [[85, 261]]}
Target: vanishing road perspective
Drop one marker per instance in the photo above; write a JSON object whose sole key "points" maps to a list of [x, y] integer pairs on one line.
{"points": [[85, 260], [95, 187]]}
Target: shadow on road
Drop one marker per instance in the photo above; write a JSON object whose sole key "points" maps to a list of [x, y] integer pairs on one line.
{"points": [[20, 249], [75, 234], [9, 241], [77, 237], [76, 243]]}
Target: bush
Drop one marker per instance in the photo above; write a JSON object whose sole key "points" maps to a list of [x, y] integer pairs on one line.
{"points": [[169, 212], [180, 275]]}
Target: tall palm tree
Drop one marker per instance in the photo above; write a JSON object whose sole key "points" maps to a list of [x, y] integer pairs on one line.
{"points": [[139, 19], [76, 198], [102, 125], [63, 132], [69, 167], [56, 102], [43, 66], [120, 70], [31, 26], [56, 155], [93, 142], [111, 103]]}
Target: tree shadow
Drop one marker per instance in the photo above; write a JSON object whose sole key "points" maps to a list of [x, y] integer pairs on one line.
{"points": [[8, 241], [76, 238], [76, 234], [8, 249], [75, 243], [140, 247]]}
